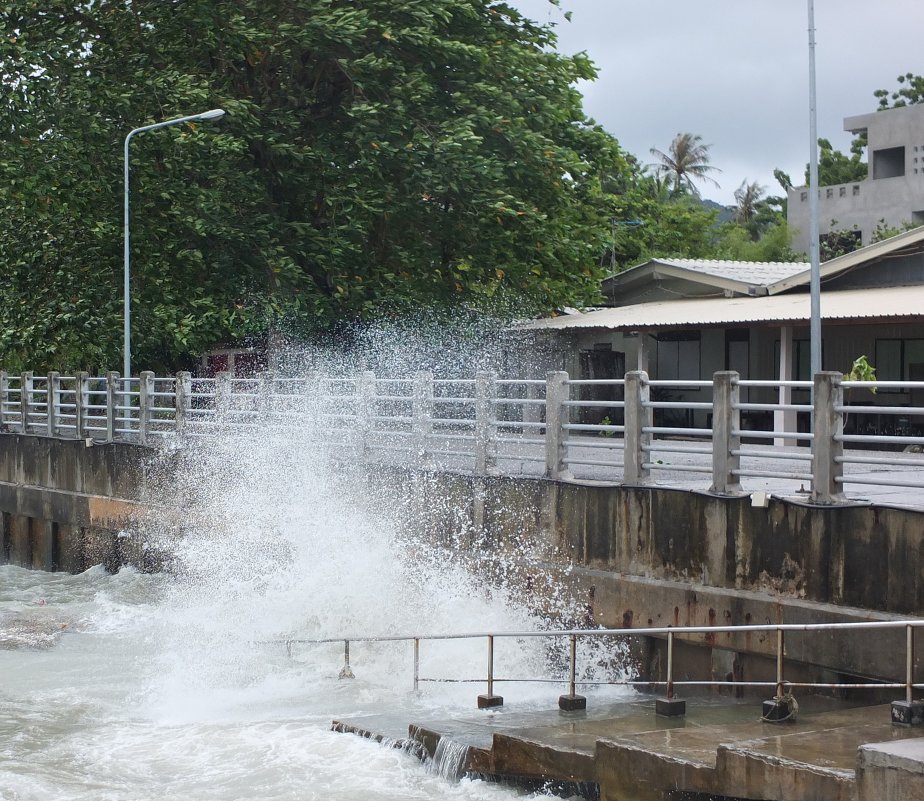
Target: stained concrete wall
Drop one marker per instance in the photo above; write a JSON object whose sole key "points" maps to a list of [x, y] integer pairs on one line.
{"points": [[627, 556], [67, 506], [636, 557]]}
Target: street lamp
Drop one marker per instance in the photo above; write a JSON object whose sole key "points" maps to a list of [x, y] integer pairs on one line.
{"points": [[214, 114]]}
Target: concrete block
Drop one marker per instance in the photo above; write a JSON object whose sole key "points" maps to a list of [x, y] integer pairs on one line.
{"points": [[891, 771], [908, 714], [572, 703], [670, 707], [488, 701]]}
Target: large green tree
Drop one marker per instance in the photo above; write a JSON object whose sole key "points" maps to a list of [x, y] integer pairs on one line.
{"points": [[375, 155]]}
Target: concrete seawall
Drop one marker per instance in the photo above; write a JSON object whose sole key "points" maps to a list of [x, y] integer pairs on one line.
{"points": [[627, 556]]}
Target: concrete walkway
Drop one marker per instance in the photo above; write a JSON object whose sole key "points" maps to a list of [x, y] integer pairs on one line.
{"points": [[627, 753]]}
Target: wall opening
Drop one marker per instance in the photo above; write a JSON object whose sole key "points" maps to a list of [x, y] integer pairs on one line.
{"points": [[889, 162]]}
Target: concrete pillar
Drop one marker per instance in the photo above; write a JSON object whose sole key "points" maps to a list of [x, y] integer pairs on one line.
{"points": [[485, 427], [422, 411], [183, 400], [726, 422], [557, 392], [644, 352], [81, 402], [366, 412], [52, 402], [784, 420], [829, 423], [222, 397], [20, 541], [25, 400], [4, 397], [113, 400], [638, 415], [43, 546], [145, 404]]}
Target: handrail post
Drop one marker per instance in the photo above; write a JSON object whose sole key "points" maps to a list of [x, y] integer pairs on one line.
{"points": [[81, 402], [780, 638], [182, 396], [908, 712], [145, 404], [782, 707], [52, 398], [416, 664], [638, 416], [25, 399], [670, 706], [422, 405], [346, 672], [726, 437], [485, 429], [557, 416], [367, 395], [826, 448], [490, 699], [572, 701], [4, 396], [112, 401]]}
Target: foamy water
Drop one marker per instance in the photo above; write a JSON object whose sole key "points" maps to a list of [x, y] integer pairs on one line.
{"points": [[135, 687]]}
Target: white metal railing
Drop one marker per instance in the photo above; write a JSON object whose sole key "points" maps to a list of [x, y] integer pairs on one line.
{"points": [[775, 647], [616, 430]]}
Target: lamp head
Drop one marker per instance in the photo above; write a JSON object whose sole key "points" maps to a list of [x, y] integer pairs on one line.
{"points": [[214, 114]]}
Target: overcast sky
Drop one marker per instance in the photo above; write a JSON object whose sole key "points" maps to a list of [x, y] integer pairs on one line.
{"points": [[735, 72]]}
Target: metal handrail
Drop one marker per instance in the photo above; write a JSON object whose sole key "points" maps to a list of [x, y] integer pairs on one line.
{"points": [[670, 632]]}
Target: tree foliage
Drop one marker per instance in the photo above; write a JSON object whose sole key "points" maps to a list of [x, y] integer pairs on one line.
{"points": [[375, 155], [909, 92]]}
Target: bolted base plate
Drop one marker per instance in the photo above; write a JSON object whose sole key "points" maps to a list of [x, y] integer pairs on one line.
{"points": [[487, 701], [572, 703], [670, 707], [908, 714], [777, 711]]}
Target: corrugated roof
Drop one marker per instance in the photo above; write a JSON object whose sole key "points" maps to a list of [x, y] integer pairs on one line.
{"points": [[844, 305], [757, 273]]}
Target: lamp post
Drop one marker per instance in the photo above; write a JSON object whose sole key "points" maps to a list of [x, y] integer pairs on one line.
{"points": [[214, 114]]}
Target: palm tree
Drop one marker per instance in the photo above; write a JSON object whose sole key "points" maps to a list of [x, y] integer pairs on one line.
{"points": [[687, 160], [748, 196]]}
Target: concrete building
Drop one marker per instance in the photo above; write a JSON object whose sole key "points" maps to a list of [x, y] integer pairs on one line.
{"points": [[893, 191]]}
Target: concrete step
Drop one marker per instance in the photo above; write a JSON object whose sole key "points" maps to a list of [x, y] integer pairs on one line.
{"points": [[720, 748]]}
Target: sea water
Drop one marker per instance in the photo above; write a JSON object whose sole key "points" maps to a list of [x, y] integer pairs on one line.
{"points": [[178, 685]]}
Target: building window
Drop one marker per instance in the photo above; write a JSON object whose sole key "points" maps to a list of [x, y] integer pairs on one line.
{"points": [[889, 162], [678, 356], [856, 189], [804, 197], [843, 191], [898, 359], [829, 193]]}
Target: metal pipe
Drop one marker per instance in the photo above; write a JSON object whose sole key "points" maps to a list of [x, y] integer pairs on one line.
{"points": [[490, 664], [416, 663], [814, 245], [779, 661], [573, 681]]}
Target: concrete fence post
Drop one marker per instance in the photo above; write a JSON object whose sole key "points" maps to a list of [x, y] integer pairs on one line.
{"points": [[113, 398], [182, 397], [826, 449], [726, 433], [422, 411], [485, 425], [638, 416], [25, 398], [266, 404], [52, 401], [145, 404], [557, 415], [222, 396], [4, 397], [81, 402], [366, 412]]}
